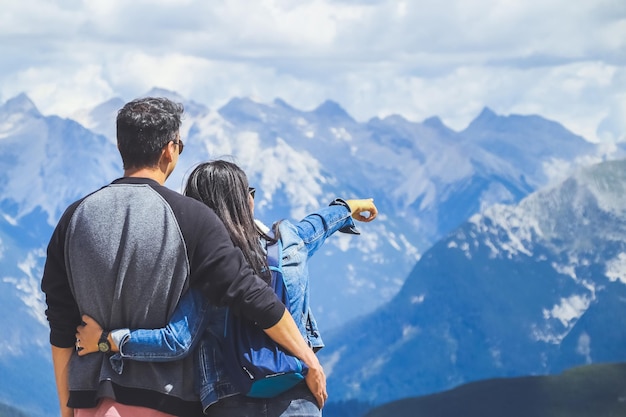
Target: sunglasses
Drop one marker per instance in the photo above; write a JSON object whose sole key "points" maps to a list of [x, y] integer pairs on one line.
{"points": [[181, 146], [251, 191]]}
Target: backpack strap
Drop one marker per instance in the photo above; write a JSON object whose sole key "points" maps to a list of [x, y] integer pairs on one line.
{"points": [[274, 256], [275, 261]]}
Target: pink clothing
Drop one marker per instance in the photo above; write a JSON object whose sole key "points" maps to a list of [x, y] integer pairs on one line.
{"points": [[109, 408]]}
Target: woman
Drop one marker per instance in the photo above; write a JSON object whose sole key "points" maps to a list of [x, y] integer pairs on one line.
{"points": [[223, 186]]}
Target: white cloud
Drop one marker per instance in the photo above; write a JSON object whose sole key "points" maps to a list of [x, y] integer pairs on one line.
{"points": [[562, 60], [60, 90]]}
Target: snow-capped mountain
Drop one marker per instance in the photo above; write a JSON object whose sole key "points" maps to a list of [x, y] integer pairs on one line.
{"points": [[532, 288], [46, 162], [425, 178]]}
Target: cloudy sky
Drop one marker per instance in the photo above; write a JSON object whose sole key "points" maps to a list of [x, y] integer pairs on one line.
{"points": [[562, 59]]}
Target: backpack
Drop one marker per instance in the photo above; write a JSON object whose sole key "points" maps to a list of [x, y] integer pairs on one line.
{"points": [[256, 364]]}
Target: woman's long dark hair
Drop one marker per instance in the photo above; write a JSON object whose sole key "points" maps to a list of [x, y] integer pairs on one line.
{"points": [[223, 186]]}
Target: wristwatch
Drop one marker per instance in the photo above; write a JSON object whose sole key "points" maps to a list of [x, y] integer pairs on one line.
{"points": [[103, 344]]}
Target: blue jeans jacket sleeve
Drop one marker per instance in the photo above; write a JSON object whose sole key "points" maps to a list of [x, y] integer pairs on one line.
{"points": [[169, 343], [299, 242], [315, 228]]}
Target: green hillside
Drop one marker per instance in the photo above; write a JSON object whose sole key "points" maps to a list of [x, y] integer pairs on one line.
{"points": [[588, 391]]}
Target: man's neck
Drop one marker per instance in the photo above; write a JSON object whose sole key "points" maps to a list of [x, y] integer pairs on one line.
{"points": [[152, 173]]}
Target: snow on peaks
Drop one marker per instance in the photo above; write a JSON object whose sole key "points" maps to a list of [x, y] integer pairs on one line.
{"points": [[561, 318], [341, 133], [607, 182], [417, 299], [616, 268], [587, 205], [102, 118], [569, 309], [28, 285], [505, 230], [297, 173]]}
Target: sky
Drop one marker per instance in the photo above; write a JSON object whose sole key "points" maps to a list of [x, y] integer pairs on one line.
{"points": [[564, 60]]}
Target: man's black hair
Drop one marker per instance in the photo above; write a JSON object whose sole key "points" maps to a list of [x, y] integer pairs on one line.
{"points": [[144, 127]]}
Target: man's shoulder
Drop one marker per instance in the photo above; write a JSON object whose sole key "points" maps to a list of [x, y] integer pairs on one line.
{"points": [[189, 211], [71, 208], [178, 199]]}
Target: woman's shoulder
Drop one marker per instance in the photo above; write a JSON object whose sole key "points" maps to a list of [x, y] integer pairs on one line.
{"points": [[288, 233]]}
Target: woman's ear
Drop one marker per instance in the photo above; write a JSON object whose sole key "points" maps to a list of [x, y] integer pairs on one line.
{"points": [[169, 151], [251, 202]]}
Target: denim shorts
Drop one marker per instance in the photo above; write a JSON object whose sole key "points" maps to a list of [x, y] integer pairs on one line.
{"points": [[297, 402]]}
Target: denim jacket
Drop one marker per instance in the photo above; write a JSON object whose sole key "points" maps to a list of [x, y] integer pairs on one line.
{"points": [[196, 323]]}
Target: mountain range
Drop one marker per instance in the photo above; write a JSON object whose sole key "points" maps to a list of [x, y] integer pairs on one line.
{"points": [[528, 289], [426, 179]]}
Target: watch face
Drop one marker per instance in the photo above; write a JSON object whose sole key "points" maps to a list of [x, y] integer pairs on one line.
{"points": [[103, 347]]}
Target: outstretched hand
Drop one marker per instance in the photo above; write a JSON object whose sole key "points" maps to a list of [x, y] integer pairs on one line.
{"points": [[87, 336], [363, 210]]}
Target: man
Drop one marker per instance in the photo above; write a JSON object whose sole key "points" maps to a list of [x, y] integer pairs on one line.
{"points": [[125, 254]]}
